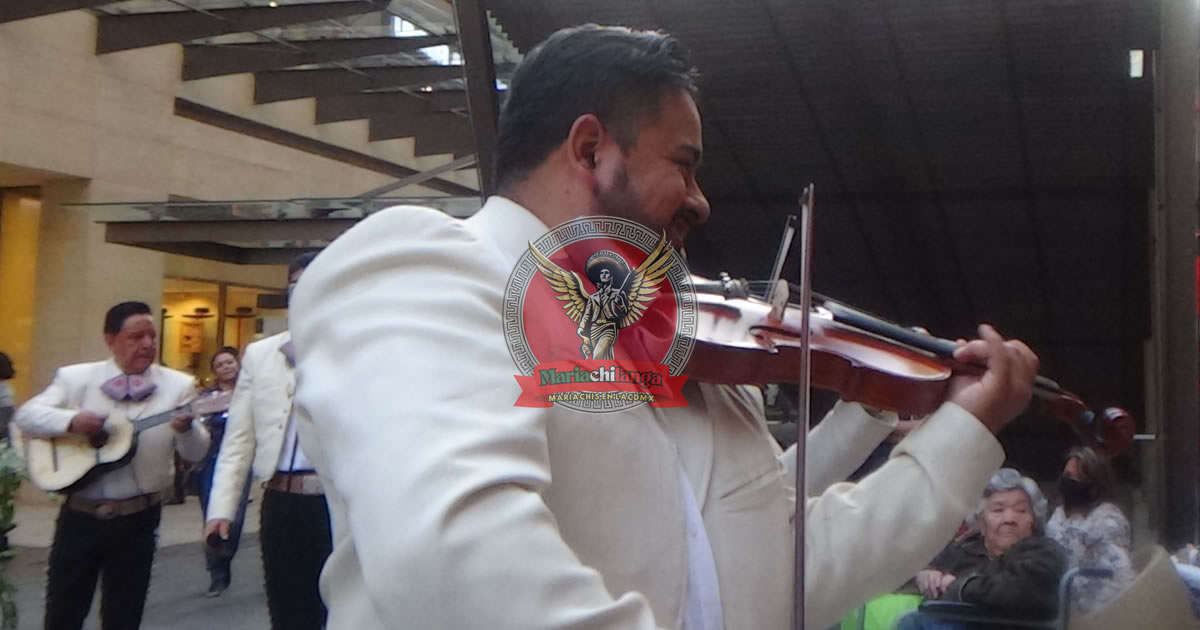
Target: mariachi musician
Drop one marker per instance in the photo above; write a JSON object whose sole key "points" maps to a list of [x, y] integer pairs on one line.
{"points": [[107, 528], [452, 508]]}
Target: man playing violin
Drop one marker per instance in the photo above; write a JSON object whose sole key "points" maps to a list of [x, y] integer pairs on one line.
{"points": [[106, 530], [452, 508]]}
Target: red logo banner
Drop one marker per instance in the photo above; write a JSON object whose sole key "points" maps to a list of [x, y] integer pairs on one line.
{"points": [[594, 379]]}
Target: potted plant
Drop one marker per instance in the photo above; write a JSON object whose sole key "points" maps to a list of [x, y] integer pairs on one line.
{"points": [[12, 471]]}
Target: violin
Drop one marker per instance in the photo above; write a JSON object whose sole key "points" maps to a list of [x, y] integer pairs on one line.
{"points": [[754, 333], [743, 338]]}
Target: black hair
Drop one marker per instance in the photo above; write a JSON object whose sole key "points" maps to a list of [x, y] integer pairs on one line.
{"points": [[616, 73], [6, 367], [220, 351], [1096, 470], [301, 262], [115, 318]]}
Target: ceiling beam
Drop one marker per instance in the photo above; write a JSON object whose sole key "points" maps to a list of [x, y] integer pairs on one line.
{"points": [[445, 100], [283, 85], [475, 42], [137, 30], [201, 60], [274, 255], [11, 10], [207, 251], [458, 140], [230, 254], [341, 107], [423, 176], [255, 129], [410, 125]]}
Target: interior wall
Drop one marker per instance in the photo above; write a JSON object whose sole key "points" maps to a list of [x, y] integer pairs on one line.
{"points": [[112, 118], [103, 129], [20, 218], [80, 277]]}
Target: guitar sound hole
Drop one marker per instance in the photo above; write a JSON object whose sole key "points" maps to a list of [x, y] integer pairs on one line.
{"points": [[98, 439]]}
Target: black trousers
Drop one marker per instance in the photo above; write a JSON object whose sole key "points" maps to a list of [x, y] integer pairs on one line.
{"points": [[296, 539], [118, 551]]}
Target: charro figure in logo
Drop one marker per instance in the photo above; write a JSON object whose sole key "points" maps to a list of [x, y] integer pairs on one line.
{"points": [[602, 314], [605, 308]]}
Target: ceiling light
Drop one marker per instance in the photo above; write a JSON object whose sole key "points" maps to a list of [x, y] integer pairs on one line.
{"points": [[272, 4], [1137, 63]]}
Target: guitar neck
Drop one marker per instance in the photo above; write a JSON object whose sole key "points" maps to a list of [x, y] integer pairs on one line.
{"points": [[203, 405], [150, 422]]}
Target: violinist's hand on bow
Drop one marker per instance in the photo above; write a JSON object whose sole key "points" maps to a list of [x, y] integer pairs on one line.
{"points": [[1004, 389]]}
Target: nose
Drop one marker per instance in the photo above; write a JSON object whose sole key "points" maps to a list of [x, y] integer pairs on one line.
{"points": [[697, 203]]}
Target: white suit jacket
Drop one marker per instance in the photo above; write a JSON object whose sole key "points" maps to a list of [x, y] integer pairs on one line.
{"points": [[77, 387], [257, 424], [451, 508]]}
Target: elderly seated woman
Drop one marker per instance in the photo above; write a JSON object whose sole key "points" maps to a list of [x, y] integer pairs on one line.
{"points": [[1006, 566]]}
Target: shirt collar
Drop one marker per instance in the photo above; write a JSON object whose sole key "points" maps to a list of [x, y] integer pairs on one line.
{"points": [[508, 225]]}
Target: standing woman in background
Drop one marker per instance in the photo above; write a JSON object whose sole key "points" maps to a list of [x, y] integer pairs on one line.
{"points": [[7, 404], [1092, 529], [218, 559]]}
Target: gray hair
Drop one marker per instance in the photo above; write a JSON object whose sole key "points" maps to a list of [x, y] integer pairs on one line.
{"points": [[1007, 479]]}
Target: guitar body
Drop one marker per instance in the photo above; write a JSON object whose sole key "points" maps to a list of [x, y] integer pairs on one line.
{"points": [[69, 462]]}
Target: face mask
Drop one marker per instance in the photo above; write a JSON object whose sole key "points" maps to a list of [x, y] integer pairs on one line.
{"points": [[1075, 493]]}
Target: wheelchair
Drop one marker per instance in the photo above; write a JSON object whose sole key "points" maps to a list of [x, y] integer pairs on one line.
{"points": [[1156, 600]]}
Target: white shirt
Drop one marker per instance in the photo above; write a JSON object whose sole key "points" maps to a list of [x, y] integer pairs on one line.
{"points": [[702, 609], [292, 458]]}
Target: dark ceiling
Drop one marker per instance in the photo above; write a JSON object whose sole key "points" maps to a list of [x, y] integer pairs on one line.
{"points": [[974, 161]]}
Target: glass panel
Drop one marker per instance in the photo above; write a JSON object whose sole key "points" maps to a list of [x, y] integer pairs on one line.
{"points": [[318, 208], [159, 6]]}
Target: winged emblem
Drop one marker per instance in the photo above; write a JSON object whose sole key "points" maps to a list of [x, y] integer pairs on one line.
{"points": [[619, 301]]}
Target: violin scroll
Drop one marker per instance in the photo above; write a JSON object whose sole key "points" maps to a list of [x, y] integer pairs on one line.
{"points": [[1111, 432]]}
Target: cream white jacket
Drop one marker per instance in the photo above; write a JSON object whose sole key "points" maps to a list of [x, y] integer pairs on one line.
{"points": [[452, 508]]}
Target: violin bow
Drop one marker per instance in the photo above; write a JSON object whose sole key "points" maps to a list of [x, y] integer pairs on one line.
{"points": [[806, 229], [777, 296]]}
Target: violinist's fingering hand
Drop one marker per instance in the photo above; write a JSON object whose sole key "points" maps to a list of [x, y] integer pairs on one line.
{"points": [[1003, 391]]}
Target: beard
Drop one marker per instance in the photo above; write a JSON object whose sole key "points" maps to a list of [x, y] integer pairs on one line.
{"points": [[618, 200]]}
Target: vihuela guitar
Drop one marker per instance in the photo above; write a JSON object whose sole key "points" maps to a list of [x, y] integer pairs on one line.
{"points": [[68, 462]]}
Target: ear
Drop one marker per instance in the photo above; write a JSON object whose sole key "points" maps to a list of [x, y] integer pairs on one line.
{"points": [[584, 141]]}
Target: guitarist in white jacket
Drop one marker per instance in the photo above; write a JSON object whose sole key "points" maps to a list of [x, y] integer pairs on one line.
{"points": [[106, 528]]}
